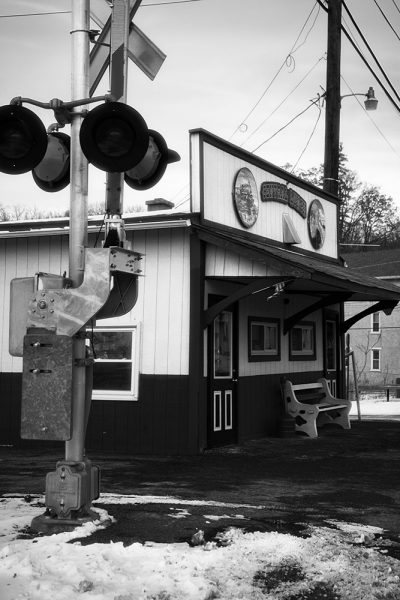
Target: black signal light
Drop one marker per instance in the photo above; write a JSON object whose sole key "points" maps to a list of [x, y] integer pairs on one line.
{"points": [[23, 139], [152, 167], [114, 137], [52, 174]]}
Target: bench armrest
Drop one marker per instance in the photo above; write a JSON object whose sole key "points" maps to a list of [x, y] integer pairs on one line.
{"points": [[328, 395]]}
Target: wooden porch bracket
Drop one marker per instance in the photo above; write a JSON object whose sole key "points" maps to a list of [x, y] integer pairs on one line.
{"points": [[326, 301], [268, 284], [386, 305]]}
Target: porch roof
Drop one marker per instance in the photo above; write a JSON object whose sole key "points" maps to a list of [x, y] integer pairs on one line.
{"points": [[308, 274]]}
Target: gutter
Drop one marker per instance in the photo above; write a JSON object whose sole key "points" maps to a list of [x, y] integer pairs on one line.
{"points": [[93, 229]]}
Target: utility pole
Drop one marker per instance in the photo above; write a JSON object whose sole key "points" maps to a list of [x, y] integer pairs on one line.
{"points": [[332, 97]]}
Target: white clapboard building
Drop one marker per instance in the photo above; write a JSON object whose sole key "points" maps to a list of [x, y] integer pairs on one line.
{"points": [[245, 289]]}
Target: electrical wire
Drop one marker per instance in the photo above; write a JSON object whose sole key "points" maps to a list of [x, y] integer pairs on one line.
{"points": [[182, 202], [365, 61], [313, 102], [370, 118], [309, 139], [377, 79], [387, 20], [170, 2], [283, 101], [292, 50], [100, 229], [370, 49], [59, 12], [398, 9], [180, 191]]}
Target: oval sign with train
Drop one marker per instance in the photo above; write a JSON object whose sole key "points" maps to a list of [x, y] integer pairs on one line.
{"points": [[245, 197]]}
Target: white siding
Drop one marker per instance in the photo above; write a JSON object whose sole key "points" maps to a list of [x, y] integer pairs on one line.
{"points": [[256, 306], [162, 307], [224, 263], [220, 169], [23, 257]]}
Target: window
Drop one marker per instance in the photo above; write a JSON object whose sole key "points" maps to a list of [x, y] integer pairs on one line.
{"points": [[375, 322], [302, 341], [375, 359], [263, 339], [330, 345], [223, 345], [115, 370]]}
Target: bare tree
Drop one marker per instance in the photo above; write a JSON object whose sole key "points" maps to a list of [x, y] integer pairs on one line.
{"points": [[365, 214]]}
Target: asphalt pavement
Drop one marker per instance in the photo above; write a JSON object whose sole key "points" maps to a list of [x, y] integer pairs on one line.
{"points": [[276, 484]]}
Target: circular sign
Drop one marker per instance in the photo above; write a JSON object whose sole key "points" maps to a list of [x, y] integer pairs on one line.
{"points": [[245, 197], [316, 224]]}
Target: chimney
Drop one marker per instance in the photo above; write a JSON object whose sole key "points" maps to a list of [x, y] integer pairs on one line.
{"points": [[159, 204]]}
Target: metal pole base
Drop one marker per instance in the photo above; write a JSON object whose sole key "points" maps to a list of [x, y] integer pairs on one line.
{"points": [[49, 523], [70, 490]]}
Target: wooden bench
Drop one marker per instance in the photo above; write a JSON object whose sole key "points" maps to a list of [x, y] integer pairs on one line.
{"points": [[312, 404]]}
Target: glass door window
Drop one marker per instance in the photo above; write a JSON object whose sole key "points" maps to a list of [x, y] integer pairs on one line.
{"points": [[223, 346]]}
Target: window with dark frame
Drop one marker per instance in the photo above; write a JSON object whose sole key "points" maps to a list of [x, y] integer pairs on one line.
{"points": [[376, 322], [302, 341], [375, 359], [264, 339], [330, 340]]}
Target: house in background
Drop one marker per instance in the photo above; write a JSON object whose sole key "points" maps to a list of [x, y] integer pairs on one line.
{"points": [[243, 290], [375, 339]]}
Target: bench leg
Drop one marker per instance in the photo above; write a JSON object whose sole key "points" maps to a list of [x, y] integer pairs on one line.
{"points": [[339, 417], [307, 424]]}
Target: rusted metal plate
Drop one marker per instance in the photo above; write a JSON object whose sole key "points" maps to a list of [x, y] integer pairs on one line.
{"points": [[46, 409]]}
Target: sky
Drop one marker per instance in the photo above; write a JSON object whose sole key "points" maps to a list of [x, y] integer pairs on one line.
{"points": [[242, 71]]}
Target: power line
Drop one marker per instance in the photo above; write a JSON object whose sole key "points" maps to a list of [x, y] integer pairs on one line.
{"points": [[368, 113], [398, 9], [170, 2], [309, 139], [283, 101], [313, 102], [387, 20], [370, 50], [377, 79], [361, 55], [292, 50], [59, 12]]}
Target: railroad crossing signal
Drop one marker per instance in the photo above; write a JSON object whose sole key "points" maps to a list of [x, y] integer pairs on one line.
{"points": [[141, 50], [23, 140]]}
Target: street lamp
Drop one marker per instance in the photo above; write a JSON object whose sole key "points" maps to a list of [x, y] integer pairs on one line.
{"points": [[370, 103], [332, 127]]}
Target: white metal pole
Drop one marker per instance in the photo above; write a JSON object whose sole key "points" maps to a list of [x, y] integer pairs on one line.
{"points": [[74, 448]]}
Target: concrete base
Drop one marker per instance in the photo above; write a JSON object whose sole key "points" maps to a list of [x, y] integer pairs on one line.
{"points": [[48, 523]]}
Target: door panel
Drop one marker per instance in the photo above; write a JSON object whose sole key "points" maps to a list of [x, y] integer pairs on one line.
{"points": [[222, 380], [331, 353]]}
